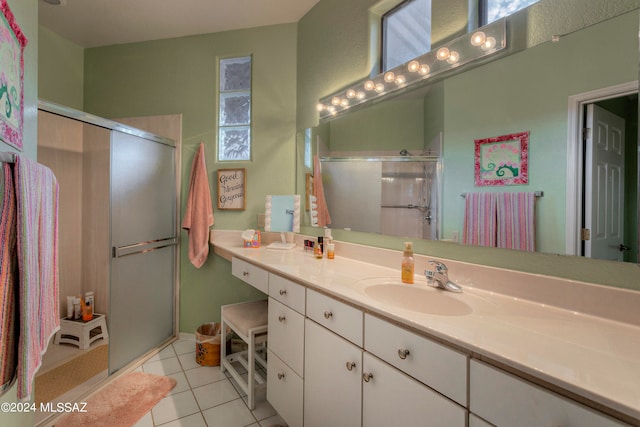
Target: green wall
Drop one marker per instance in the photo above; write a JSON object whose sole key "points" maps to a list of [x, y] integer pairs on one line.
{"points": [[492, 100], [61, 66], [26, 14], [179, 76]]}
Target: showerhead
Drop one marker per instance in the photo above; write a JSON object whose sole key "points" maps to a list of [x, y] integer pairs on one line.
{"points": [[404, 152]]}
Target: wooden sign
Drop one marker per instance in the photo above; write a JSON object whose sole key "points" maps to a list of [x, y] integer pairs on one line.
{"points": [[232, 189]]}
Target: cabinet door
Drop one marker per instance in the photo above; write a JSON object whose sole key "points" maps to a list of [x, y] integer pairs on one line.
{"points": [[505, 400], [286, 334], [284, 391], [392, 398], [332, 379]]}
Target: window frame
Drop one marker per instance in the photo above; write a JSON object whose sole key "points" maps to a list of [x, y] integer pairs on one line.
{"points": [[383, 40], [223, 94]]}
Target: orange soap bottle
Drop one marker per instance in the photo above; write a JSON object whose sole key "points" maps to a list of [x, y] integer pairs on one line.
{"points": [[407, 263]]}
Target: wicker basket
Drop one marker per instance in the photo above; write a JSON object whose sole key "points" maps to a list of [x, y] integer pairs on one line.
{"points": [[208, 339]]}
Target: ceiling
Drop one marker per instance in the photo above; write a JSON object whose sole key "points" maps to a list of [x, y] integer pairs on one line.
{"points": [[93, 23]]}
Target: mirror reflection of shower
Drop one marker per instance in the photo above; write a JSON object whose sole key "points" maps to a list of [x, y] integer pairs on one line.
{"points": [[405, 203]]}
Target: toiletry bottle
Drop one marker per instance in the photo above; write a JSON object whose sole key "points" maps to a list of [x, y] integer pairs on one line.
{"points": [[321, 244], [76, 309], [331, 250], [86, 311], [407, 263], [70, 301], [317, 249], [89, 300]]}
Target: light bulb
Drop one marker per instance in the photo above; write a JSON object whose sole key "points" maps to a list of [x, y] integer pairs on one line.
{"points": [[331, 109], [379, 88], [413, 66], [424, 69], [478, 38], [360, 95], [453, 58], [369, 85], [443, 53], [351, 93], [389, 76], [344, 103], [489, 44], [400, 80], [335, 101], [320, 107]]}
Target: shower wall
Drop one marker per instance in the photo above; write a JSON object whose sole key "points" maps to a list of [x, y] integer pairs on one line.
{"points": [[75, 152]]}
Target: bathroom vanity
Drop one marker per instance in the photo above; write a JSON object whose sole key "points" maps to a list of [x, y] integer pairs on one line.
{"points": [[349, 345]]}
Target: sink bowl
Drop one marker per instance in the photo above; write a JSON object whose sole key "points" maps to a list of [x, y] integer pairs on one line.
{"points": [[418, 297]]}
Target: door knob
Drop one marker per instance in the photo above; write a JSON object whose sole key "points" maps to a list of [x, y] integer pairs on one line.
{"points": [[623, 247]]}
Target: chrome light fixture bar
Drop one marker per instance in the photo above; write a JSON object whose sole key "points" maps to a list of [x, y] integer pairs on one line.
{"points": [[462, 50]]}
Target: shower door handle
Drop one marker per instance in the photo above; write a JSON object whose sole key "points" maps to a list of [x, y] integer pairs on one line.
{"points": [[120, 251]]}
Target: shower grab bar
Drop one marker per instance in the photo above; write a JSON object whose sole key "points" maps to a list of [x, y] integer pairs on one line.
{"points": [[143, 247], [409, 206]]}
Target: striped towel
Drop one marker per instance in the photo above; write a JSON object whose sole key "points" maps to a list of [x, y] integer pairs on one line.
{"points": [[479, 219], [516, 221], [37, 248], [8, 279]]}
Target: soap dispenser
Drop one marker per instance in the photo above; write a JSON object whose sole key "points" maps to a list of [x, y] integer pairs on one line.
{"points": [[407, 263]]}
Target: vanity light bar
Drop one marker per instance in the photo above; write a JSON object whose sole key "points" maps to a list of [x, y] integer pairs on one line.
{"points": [[485, 41]]}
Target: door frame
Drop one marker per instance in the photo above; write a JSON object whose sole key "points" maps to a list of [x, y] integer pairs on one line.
{"points": [[575, 154]]}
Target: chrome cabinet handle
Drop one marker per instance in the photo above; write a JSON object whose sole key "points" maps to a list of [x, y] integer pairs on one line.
{"points": [[283, 291], [281, 319], [280, 375], [328, 315], [403, 353], [367, 377], [351, 365]]}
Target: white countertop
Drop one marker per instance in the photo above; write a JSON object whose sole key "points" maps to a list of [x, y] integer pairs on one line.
{"points": [[593, 357]]}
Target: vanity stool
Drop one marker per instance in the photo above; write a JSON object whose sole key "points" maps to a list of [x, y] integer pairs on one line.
{"points": [[81, 333], [249, 321]]}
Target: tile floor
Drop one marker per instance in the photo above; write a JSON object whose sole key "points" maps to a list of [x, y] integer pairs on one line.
{"points": [[203, 396]]}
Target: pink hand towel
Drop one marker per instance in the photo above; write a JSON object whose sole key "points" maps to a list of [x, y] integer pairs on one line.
{"points": [[198, 216], [324, 218], [37, 247]]}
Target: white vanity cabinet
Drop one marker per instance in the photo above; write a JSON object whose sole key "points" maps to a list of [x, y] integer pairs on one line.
{"points": [[253, 275], [333, 363], [286, 348], [390, 397], [332, 383], [431, 363], [506, 400]]}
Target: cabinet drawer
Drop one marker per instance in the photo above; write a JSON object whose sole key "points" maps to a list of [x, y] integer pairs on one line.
{"points": [[286, 335], [287, 292], [285, 391], [439, 367], [341, 318], [255, 276], [390, 397], [505, 400]]}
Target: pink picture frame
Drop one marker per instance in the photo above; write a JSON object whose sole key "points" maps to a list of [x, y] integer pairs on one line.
{"points": [[12, 44], [502, 160]]}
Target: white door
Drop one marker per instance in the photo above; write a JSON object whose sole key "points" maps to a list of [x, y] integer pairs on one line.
{"points": [[604, 184]]}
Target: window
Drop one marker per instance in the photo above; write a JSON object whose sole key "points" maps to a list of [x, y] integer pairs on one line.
{"points": [[496, 9], [406, 32], [234, 117]]}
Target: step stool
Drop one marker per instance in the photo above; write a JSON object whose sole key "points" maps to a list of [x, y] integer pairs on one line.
{"points": [[81, 333]]}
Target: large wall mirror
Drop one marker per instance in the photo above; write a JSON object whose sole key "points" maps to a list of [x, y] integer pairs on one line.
{"points": [[551, 90]]}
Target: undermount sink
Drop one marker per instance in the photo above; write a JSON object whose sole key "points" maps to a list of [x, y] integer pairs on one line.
{"points": [[418, 297]]}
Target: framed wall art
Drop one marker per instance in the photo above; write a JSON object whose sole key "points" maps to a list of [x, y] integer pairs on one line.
{"points": [[502, 160], [232, 189], [12, 44]]}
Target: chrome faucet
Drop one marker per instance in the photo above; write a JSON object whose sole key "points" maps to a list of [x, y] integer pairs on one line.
{"points": [[438, 277]]}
